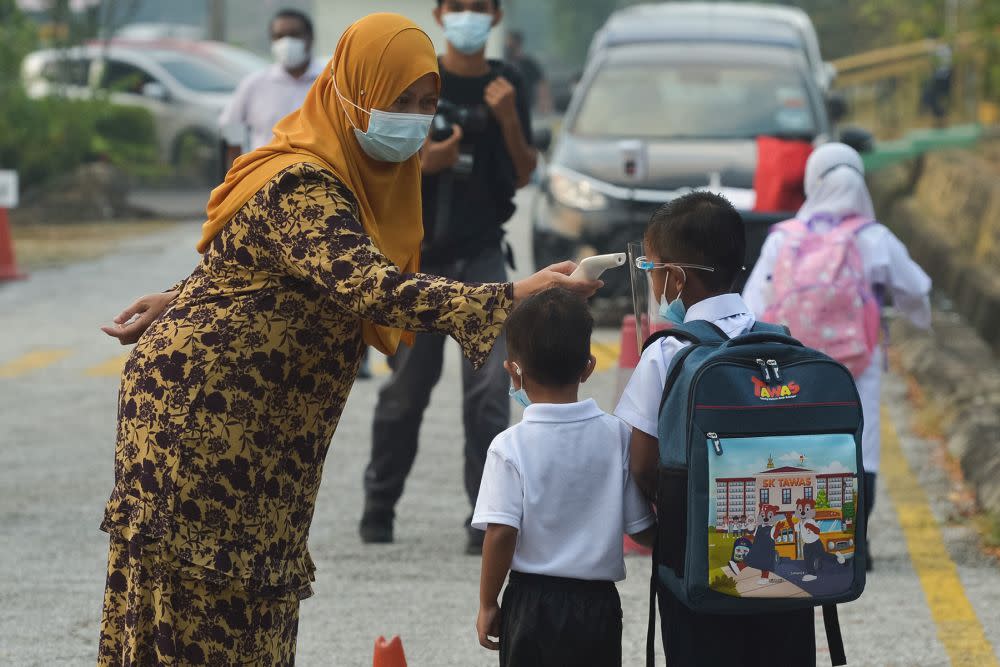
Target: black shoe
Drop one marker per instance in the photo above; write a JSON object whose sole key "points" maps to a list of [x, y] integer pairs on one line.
{"points": [[376, 529], [474, 546]]}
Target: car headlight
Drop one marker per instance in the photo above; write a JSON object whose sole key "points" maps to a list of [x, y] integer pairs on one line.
{"points": [[831, 545], [576, 192], [850, 543]]}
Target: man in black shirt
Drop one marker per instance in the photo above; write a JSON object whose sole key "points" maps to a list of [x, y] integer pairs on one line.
{"points": [[471, 171]]}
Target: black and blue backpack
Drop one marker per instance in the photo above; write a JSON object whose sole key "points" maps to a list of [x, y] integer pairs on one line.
{"points": [[759, 501]]}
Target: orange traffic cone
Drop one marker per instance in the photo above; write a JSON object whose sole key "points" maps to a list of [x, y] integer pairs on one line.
{"points": [[8, 265], [389, 654]]}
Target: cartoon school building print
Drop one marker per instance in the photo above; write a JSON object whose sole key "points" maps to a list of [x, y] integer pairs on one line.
{"points": [[783, 486]]}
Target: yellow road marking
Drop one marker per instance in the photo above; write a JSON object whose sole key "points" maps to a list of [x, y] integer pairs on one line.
{"points": [[380, 367], [110, 368], [959, 629], [32, 361], [606, 354]]}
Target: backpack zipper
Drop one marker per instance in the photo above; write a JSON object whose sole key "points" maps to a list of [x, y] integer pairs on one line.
{"points": [[774, 364], [716, 442], [763, 370]]}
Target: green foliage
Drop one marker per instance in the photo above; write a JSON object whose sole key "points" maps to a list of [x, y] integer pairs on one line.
{"points": [[43, 138], [822, 502]]}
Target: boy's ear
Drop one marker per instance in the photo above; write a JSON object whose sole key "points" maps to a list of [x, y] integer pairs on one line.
{"points": [[497, 17], [509, 367], [591, 366]]}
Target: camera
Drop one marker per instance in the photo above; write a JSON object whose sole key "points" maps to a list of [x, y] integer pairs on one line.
{"points": [[472, 119]]}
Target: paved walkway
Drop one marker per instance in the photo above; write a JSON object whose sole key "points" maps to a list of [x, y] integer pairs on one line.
{"points": [[933, 599]]}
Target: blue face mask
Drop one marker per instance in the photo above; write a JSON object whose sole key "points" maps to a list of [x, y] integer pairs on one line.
{"points": [[391, 137], [519, 395], [467, 31], [674, 311]]}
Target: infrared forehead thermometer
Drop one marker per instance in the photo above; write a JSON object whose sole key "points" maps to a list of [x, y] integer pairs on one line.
{"points": [[591, 268]]}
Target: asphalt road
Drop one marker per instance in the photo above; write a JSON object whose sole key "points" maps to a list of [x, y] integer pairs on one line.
{"points": [[933, 599]]}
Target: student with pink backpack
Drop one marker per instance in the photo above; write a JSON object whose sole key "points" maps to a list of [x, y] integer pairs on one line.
{"points": [[825, 273]]}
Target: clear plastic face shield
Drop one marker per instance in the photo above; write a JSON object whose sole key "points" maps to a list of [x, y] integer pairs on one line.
{"points": [[653, 307]]}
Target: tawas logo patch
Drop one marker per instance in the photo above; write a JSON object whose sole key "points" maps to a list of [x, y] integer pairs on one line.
{"points": [[779, 392]]}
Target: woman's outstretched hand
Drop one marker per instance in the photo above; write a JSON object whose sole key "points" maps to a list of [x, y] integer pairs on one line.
{"points": [[556, 275], [135, 319]]}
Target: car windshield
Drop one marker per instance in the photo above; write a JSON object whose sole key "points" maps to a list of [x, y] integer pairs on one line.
{"points": [[200, 76], [696, 101], [831, 526]]}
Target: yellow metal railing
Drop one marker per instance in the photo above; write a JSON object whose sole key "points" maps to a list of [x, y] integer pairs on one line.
{"points": [[886, 88]]}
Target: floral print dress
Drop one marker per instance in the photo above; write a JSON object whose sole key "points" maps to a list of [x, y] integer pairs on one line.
{"points": [[227, 407]]}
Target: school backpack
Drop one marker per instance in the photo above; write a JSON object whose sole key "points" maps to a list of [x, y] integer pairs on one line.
{"points": [[821, 293], [763, 433]]}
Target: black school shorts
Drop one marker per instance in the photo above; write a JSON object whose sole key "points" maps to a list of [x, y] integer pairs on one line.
{"points": [[558, 622]]}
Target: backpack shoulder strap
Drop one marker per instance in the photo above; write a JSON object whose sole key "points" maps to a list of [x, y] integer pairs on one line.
{"points": [[831, 622], [791, 226], [696, 332], [767, 327]]}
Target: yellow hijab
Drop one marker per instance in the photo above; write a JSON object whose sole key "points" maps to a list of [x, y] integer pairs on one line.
{"points": [[377, 58]]}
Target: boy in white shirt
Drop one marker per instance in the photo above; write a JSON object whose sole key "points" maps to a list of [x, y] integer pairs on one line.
{"points": [[695, 247], [835, 192], [556, 497]]}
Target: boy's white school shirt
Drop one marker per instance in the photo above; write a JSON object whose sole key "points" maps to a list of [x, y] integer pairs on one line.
{"points": [[639, 406], [887, 263], [561, 477]]}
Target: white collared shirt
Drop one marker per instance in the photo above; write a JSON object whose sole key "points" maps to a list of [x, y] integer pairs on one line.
{"points": [[261, 100], [639, 406], [561, 478]]}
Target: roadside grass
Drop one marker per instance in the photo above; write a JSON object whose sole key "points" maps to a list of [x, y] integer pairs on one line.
{"points": [[44, 246]]}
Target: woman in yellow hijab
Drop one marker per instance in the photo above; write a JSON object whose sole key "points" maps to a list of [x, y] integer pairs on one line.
{"points": [[230, 399]]}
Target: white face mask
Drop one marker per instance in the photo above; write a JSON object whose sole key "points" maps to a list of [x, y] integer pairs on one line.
{"points": [[467, 31], [391, 137], [290, 52]]}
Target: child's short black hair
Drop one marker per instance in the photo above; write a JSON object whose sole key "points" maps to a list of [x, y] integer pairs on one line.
{"points": [[549, 336], [701, 228]]}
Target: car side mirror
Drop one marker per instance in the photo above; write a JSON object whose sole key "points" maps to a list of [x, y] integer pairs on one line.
{"points": [[155, 90], [542, 139], [836, 107], [858, 138]]}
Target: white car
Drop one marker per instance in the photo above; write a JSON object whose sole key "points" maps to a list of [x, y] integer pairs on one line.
{"points": [[184, 85]]}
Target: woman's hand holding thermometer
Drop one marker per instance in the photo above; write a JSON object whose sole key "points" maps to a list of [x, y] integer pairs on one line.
{"points": [[591, 268]]}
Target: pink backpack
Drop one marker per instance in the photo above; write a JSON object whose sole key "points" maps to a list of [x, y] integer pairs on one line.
{"points": [[821, 293]]}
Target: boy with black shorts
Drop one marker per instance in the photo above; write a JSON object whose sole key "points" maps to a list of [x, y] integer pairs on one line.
{"points": [[695, 247], [555, 499]]}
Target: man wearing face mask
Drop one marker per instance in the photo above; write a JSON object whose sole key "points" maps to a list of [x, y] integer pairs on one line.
{"points": [[476, 158], [265, 97]]}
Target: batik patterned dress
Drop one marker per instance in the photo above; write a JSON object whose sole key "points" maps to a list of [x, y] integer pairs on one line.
{"points": [[227, 407]]}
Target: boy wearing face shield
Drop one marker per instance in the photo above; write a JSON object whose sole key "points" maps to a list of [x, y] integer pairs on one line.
{"points": [[263, 98], [476, 158], [694, 251]]}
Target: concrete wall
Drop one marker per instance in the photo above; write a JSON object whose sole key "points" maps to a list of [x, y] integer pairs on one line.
{"points": [[946, 208]]}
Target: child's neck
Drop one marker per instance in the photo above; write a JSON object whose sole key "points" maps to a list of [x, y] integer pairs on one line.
{"points": [[540, 394]]}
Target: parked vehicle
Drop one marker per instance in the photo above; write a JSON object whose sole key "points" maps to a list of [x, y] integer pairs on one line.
{"points": [[667, 106], [749, 14], [183, 84]]}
